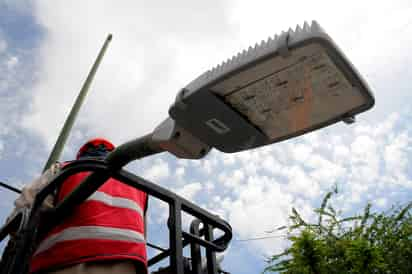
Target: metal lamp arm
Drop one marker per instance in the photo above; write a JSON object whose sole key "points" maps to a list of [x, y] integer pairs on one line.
{"points": [[135, 149]]}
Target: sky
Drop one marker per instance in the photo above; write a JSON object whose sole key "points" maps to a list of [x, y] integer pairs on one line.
{"points": [[47, 48]]}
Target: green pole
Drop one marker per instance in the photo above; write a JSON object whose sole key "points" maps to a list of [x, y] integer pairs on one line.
{"points": [[61, 140]]}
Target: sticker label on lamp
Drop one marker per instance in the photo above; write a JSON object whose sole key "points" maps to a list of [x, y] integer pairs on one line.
{"points": [[218, 126]]}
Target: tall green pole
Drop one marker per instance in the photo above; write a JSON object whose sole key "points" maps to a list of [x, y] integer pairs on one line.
{"points": [[58, 147]]}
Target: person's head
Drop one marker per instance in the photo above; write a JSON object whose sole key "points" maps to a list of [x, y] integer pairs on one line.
{"points": [[96, 148]]}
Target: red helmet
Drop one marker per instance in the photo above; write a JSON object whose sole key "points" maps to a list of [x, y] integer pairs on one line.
{"points": [[94, 144]]}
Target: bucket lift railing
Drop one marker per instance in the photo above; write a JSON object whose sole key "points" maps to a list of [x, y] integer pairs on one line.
{"points": [[26, 226]]}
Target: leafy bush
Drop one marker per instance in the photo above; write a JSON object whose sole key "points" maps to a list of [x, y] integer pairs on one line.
{"points": [[370, 243]]}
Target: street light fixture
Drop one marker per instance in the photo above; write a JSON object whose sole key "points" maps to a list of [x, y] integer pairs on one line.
{"points": [[295, 83], [289, 85]]}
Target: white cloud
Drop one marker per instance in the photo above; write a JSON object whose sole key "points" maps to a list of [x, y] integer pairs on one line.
{"points": [[180, 171], [3, 45], [340, 154], [396, 157], [363, 146], [386, 126], [13, 99], [210, 186], [324, 171], [299, 183], [269, 164], [260, 206], [301, 152], [12, 62], [158, 171], [396, 153], [229, 159], [381, 202], [207, 166], [232, 181], [1, 148], [366, 158], [183, 162], [189, 191]]}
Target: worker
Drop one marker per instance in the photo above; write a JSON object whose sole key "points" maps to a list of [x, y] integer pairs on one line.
{"points": [[104, 234]]}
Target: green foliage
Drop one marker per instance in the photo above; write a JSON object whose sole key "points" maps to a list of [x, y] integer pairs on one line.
{"points": [[370, 243]]}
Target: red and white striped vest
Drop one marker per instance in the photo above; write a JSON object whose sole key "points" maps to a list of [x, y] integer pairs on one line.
{"points": [[109, 225]]}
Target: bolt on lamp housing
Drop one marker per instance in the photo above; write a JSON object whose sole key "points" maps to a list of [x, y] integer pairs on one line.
{"points": [[289, 85]]}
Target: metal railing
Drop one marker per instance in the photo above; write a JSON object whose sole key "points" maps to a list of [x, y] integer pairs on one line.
{"points": [[25, 225]]}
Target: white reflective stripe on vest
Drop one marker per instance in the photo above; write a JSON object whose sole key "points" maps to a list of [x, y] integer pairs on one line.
{"points": [[115, 201], [91, 233]]}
